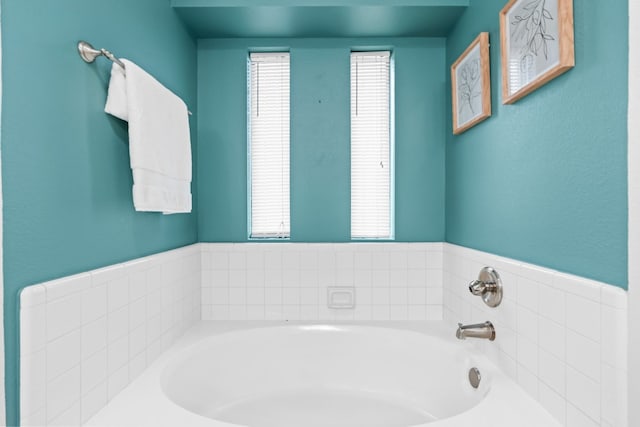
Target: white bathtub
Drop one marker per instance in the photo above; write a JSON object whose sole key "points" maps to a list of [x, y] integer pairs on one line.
{"points": [[409, 374]]}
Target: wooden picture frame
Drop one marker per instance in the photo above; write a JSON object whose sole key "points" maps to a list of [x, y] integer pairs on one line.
{"points": [[471, 85], [536, 40]]}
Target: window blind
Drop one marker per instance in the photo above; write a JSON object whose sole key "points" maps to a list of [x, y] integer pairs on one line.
{"points": [[371, 159], [269, 144]]}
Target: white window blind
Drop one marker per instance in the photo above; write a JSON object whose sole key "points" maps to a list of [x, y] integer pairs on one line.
{"points": [[371, 159], [269, 144]]}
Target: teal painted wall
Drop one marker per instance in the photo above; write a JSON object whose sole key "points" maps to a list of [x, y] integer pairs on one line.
{"points": [[65, 163], [545, 180], [320, 162]]}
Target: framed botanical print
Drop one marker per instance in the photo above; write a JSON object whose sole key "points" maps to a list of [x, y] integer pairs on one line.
{"points": [[471, 85], [536, 43]]}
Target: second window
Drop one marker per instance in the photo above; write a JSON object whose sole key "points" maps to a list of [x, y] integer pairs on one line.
{"points": [[371, 146]]}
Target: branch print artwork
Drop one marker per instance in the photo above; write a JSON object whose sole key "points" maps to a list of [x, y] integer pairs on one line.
{"points": [[533, 40], [537, 42], [469, 87]]}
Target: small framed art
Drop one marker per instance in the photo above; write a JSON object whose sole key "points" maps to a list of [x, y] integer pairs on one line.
{"points": [[537, 44], [471, 85]]}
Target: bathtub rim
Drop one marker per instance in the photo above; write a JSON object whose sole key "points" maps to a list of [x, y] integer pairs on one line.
{"points": [[458, 358], [143, 402]]}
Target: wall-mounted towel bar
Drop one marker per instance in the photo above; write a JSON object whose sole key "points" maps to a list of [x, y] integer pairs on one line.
{"points": [[89, 54]]}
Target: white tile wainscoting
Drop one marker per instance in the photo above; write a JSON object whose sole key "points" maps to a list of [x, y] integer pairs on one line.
{"points": [[289, 281], [563, 338], [83, 338]]}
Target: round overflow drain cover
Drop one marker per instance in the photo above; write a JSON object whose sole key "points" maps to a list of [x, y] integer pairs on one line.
{"points": [[474, 377]]}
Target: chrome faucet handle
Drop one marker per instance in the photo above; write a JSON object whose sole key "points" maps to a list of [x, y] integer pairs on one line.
{"points": [[488, 286], [478, 287]]}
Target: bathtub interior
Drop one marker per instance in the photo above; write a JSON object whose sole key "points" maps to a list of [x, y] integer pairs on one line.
{"points": [[324, 375]]}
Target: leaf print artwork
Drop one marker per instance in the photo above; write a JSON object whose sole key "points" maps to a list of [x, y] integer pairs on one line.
{"points": [[538, 44], [530, 32], [530, 29], [533, 41], [469, 87]]}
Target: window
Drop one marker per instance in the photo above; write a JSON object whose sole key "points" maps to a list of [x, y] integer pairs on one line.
{"points": [[269, 144], [371, 154]]}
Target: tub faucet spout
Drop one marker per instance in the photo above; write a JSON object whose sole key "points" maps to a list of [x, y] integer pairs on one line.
{"points": [[480, 330]]}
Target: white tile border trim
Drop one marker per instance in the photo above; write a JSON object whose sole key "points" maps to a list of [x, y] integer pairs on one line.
{"points": [[563, 338], [290, 281], [84, 337]]}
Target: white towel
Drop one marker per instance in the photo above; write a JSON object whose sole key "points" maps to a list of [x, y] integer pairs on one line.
{"points": [[159, 140]]}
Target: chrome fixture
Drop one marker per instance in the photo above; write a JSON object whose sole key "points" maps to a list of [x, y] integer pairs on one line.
{"points": [[89, 54], [479, 330], [474, 377], [488, 286]]}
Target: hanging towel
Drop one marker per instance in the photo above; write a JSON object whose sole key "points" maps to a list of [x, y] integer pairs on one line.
{"points": [[159, 140]]}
